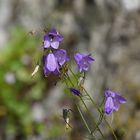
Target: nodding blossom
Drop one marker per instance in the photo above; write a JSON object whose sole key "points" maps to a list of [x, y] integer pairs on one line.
{"points": [[50, 64], [83, 61], [75, 91], [113, 101], [61, 56], [52, 39]]}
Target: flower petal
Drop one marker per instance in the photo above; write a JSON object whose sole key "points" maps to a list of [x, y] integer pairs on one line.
{"points": [[61, 56], [109, 106], [83, 61], [90, 59], [46, 41], [60, 38], [51, 63], [109, 93], [116, 104], [55, 44], [53, 32], [46, 44], [83, 64], [120, 99], [78, 57]]}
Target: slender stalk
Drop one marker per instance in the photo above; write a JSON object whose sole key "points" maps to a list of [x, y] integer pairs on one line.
{"points": [[99, 110], [69, 79], [97, 126], [101, 113], [83, 119], [99, 122], [87, 109], [76, 78], [111, 129], [85, 123]]}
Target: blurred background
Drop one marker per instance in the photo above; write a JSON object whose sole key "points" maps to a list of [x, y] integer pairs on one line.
{"points": [[31, 108]]}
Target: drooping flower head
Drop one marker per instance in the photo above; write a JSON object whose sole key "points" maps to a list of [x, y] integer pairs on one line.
{"points": [[52, 39], [61, 56], [83, 61], [50, 64], [75, 91], [113, 101]]}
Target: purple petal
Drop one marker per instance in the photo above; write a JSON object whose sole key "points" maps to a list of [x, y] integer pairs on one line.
{"points": [[120, 99], [115, 95], [46, 44], [109, 106], [109, 93], [90, 59], [113, 100], [45, 36], [51, 63], [61, 56], [46, 71], [78, 57], [116, 104], [55, 44], [75, 91], [84, 64], [46, 41], [60, 38], [53, 32], [83, 61]]}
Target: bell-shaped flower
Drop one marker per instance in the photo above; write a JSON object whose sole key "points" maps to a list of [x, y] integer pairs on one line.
{"points": [[61, 56], [50, 64], [83, 61], [52, 39], [113, 101]]}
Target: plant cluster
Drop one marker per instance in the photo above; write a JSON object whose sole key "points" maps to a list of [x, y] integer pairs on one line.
{"points": [[56, 61]]}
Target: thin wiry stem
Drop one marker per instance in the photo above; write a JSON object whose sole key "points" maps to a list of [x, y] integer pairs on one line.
{"points": [[83, 119], [111, 129], [98, 109], [88, 110], [97, 126]]}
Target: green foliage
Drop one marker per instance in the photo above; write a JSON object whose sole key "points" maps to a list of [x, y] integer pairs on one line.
{"points": [[17, 88]]}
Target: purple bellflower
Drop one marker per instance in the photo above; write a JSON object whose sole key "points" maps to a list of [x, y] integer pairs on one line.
{"points": [[113, 101], [61, 56], [50, 64], [75, 91], [52, 39], [83, 61]]}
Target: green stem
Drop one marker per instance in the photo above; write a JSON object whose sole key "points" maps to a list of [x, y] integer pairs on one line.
{"points": [[90, 132], [87, 108], [96, 125], [111, 129], [84, 120], [97, 108], [76, 78], [69, 79]]}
